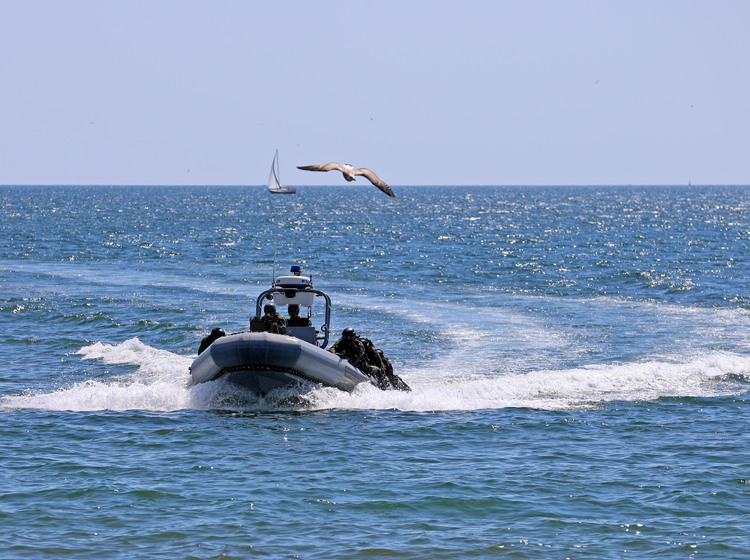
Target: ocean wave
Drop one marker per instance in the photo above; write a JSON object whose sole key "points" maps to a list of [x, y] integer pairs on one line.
{"points": [[161, 383]]}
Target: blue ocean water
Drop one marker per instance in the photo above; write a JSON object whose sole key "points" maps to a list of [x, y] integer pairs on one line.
{"points": [[579, 358]]}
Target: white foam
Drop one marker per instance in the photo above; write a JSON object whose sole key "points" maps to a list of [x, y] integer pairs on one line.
{"points": [[150, 361], [161, 383], [703, 376]]}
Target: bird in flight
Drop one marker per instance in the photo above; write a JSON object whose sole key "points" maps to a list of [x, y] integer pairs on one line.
{"points": [[350, 173]]}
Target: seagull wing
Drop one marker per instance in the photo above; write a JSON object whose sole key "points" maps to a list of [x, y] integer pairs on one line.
{"points": [[375, 180], [324, 167]]}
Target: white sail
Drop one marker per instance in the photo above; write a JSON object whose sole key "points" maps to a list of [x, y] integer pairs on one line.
{"points": [[273, 180], [274, 184]]}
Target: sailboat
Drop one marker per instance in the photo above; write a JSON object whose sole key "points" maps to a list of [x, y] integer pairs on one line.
{"points": [[274, 185]]}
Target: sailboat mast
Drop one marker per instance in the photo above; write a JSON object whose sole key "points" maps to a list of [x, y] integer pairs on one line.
{"points": [[278, 172]]}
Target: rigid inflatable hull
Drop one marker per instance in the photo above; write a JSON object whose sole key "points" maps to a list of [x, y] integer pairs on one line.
{"points": [[262, 362]]}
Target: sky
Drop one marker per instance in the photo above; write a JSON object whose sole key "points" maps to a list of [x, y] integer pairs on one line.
{"points": [[496, 92]]}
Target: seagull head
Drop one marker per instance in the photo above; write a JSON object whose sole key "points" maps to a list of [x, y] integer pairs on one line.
{"points": [[348, 171]]}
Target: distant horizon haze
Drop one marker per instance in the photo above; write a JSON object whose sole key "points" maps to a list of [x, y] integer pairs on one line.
{"points": [[539, 93]]}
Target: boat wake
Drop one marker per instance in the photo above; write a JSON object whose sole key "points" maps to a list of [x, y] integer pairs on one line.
{"points": [[161, 379]]}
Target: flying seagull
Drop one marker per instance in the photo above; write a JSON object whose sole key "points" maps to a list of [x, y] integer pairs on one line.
{"points": [[350, 173]]}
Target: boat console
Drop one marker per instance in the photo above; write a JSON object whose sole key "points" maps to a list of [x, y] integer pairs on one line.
{"points": [[298, 290]]}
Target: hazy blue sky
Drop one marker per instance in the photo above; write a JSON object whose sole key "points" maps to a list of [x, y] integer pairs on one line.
{"points": [[542, 92]]}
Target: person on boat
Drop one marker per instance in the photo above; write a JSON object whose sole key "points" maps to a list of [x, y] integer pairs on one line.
{"points": [[273, 322], [294, 319], [207, 341], [363, 355], [296, 269], [350, 347], [376, 358]]}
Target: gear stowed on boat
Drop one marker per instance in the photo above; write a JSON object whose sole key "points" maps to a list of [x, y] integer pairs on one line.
{"points": [[273, 354]]}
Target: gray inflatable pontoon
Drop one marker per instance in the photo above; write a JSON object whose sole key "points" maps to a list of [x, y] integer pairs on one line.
{"points": [[264, 361]]}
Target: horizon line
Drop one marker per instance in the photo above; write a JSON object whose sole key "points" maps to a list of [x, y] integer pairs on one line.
{"points": [[233, 185]]}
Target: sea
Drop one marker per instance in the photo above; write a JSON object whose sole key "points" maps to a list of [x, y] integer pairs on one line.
{"points": [[579, 359]]}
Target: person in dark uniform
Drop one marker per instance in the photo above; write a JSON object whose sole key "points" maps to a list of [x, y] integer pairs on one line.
{"points": [[350, 347], [210, 339], [272, 321], [362, 354], [294, 319]]}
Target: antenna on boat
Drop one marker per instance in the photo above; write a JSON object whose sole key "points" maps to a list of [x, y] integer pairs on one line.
{"points": [[273, 278]]}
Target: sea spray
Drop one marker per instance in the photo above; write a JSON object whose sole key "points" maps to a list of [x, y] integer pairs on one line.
{"points": [[160, 382]]}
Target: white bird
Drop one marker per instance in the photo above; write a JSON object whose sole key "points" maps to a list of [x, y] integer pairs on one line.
{"points": [[349, 174]]}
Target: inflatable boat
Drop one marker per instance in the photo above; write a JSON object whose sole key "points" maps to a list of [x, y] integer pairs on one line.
{"points": [[263, 361]]}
